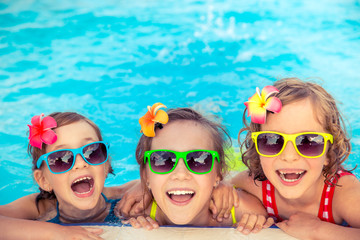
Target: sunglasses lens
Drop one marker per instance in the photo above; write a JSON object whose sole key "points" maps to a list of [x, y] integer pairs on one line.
{"points": [[60, 161], [199, 161], [269, 143], [310, 144], [95, 153], [162, 161]]}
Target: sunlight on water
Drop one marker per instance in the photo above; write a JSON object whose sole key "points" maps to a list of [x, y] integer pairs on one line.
{"points": [[110, 59]]}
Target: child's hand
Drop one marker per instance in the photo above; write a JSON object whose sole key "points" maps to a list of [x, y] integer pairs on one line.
{"points": [[133, 202], [142, 222], [300, 225], [224, 197], [76, 232], [253, 223]]}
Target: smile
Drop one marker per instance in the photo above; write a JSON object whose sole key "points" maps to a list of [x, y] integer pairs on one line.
{"points": [[180, 196], [290, 176], [83, 186]]}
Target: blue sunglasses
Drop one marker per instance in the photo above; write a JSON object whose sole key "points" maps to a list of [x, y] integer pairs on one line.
{"points": [[63, 160]]}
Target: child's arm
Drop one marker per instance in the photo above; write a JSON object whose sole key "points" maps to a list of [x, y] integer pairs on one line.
{"points": [[133, 198], [345, 207], [17, 221], [252, 214]]}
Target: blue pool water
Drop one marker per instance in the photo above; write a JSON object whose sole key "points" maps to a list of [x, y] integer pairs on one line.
{"points": [[110, 59]]}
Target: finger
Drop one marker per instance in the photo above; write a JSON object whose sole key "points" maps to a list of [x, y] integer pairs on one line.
{"points": [[259, 223], [152, 222], [126, 207], [269, 222], [242, 222], [236, 197], [230, 200], [144, 223], [219, 204], [223, 209], [213, 208], [134, 223], [282, 225], [93, 230], [249, 224]]}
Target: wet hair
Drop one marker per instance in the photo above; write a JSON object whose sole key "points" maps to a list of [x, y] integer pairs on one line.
{"points": [[62, 119], [324, 107], [219, 136]]}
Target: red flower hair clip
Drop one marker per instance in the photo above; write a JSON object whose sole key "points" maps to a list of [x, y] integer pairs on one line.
{"points": [[40, 131]]}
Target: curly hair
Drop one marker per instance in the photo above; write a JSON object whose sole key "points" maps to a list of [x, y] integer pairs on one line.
{"points": [[324, 105], [62, 119], [220, 138]]}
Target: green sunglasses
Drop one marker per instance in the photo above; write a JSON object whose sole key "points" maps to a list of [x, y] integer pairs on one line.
{"points": [[165, 161]]}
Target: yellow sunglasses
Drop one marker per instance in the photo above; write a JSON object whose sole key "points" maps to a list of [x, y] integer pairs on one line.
{"points": [[306, 144]]}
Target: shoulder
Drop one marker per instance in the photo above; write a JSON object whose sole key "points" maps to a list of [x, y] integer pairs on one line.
{"points": [[244, 181], [26, 207], [249, 203], [346, 199]]}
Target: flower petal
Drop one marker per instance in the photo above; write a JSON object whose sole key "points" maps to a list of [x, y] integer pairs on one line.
{"points": [[36, 120], [156, 107], [161, 117], [148, 128], [257, 113], [35, 141], [48, 122], [48, 137], [267, 91], [273, 104]]}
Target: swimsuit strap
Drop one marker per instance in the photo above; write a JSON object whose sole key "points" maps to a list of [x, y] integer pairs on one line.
{"points": [[268, 191], [325, 209], [154, 207], [56, 219], [233, 215], [153, 210]]}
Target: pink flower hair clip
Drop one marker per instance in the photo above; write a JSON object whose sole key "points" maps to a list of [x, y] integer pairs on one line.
{"points": [[40, 131], [260, 103], [152, 117]]}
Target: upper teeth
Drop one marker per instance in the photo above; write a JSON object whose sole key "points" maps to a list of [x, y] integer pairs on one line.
{"points": [[282, 175], [178, 192], [291, 172], [82, 179]]}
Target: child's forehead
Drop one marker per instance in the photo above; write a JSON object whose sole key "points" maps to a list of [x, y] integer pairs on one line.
{"points": [[298, 116]]}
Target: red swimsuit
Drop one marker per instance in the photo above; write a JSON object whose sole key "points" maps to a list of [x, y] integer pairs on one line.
{"points": [[325, 210]]}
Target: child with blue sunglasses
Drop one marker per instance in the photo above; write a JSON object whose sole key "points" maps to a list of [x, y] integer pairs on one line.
{"points": [[70, 164], [294, 148], [182, 160]]}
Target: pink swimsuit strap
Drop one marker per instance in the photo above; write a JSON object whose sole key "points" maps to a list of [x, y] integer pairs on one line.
{"points": [[325, 209]]}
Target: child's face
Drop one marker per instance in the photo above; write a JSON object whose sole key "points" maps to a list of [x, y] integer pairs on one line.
{"points": [[182, 136], [85, 193], [291, 174]]}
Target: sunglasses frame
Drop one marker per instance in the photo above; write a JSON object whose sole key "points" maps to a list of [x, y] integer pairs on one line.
{"points": [[75, 152], [292, 137], [182, 155]]}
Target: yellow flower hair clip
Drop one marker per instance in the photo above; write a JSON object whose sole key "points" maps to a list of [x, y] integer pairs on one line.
{"points": [[153, 116], [259, 103]]}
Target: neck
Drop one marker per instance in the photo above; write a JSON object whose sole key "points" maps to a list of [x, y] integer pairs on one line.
{"points": [[75, 215]]}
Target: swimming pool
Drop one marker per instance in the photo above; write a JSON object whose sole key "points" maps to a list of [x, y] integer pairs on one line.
{"points": [[108, 60]]}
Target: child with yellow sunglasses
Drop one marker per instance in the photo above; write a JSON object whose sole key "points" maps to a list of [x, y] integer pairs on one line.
{"points": [[294, 149]]}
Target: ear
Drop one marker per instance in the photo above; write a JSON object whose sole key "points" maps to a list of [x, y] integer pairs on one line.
{"points": [[217, 181], [42, 180]]}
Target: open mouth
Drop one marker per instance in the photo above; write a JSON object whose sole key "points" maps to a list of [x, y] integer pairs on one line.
{"points": [[291, 176], [83, 185], [180, 195]]}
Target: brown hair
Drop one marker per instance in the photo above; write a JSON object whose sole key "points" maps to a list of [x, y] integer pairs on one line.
{"points": [[220, 137], [62, 119], [324, 106]]}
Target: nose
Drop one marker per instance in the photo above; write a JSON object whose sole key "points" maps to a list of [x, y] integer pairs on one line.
{"points": [[80, 162], [289, 153], [181, 172]]}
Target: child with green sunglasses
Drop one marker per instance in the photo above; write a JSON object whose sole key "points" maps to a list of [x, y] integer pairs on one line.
{"points": [[181, 163], [70, 164], [294, 149]]}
